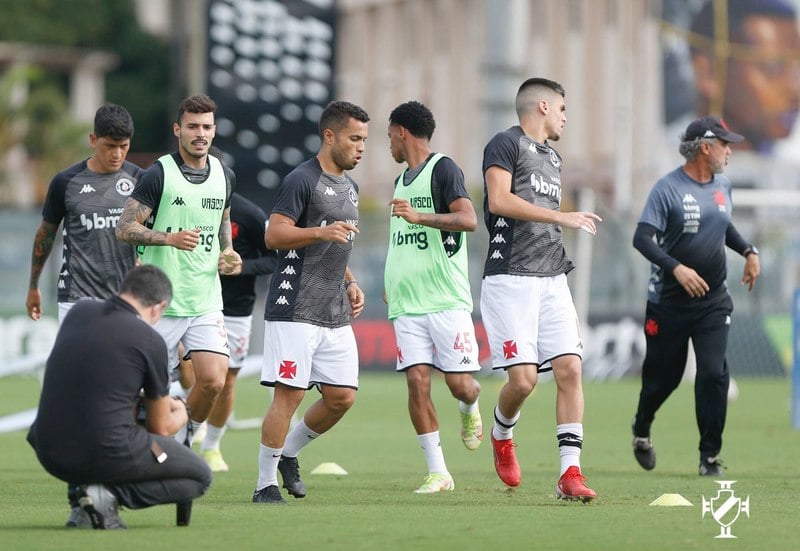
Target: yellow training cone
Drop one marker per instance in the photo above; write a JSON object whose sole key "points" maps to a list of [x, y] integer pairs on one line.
{"points": [[671, 500], [328, 468]]}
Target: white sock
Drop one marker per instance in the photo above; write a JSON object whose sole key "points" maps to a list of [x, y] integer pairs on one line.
{"points": [[432, 450], [268, 466], [213, 437], [570, 440], [468, 408], [503, 428], [299, 437]]}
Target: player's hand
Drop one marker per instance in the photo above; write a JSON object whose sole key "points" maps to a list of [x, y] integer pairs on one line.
{"points": [[230, 263], [403, 209], [185, 240], [356, 297], [585, 221], [34, 303], [338, 232], [694, 285], [752, 269]]}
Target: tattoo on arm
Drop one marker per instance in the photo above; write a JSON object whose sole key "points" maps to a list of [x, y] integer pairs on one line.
{"points": [[131, 228], [225, 238], [42, 245]]}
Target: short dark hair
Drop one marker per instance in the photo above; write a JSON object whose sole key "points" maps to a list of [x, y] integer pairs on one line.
{"points": [[337, 113], [738, 10], [196, 104], [542, 82], [148, 284], [113, 121], [414, 117]]}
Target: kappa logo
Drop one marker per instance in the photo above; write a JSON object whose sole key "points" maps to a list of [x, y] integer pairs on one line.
{"points": [[292, 255], [725, 508], [282, 301], [179, 201], [289, 270], [285, 285], [501, 223], [496, 255], [450, 240], [465, 361], [689, 198], [86, 189], [329, 191], [498, 239]]}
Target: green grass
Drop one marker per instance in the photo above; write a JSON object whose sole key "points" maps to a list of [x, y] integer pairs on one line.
{"points": [[373, 507]]}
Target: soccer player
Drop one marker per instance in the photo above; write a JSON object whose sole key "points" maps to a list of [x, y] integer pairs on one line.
{"points": [[688, 211], [88, 197], [526, 304], [179, 215], [427, 285], [308, 340], [248, 224], [86, 432]]}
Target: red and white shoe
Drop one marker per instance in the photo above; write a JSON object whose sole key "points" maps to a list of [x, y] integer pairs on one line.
{"points": [[572, 486], [505, 461]]}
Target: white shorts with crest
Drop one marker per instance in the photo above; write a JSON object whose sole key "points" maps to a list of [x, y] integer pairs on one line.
{"points": [[444, 340], [204, 333]]}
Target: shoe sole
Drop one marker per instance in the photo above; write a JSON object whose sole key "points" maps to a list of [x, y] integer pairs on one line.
{"points": [[565, 497]]}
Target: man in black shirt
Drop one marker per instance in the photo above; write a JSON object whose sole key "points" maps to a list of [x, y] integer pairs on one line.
{"points": [[87, 435]]}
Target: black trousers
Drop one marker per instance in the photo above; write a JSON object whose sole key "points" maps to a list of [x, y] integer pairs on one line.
{"points": [[668, 329]]}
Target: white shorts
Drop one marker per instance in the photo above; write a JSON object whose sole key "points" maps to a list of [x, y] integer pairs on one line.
{"points": [[63, 309], [445, 340], [238, 328], [302, 355], [204, 333], [529, 320]]}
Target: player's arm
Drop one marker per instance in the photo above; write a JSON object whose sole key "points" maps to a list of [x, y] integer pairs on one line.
{"points": [[692, 283], [230, 263], [131, 229], [283, 234], [752, 265], [460, 218], [354, 293], [165, 415], [502, 202], [42, 246]]}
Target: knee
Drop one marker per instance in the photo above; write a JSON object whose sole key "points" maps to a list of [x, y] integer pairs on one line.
{"points": [[464, 388], [340, 403], [211, 386], [418, 381], [568, 375]]}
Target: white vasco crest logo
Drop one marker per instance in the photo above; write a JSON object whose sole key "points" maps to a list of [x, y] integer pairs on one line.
{"points": [[124, 186], [353, 196], [556, 162], [726, 507]]}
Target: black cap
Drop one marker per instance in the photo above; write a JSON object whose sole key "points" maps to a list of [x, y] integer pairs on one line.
{"points": [[710, 127]]}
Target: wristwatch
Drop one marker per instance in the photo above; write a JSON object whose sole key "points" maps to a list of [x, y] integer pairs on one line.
{"points": [[750, 250]]}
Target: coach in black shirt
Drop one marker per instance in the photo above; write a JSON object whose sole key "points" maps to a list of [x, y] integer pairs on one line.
{"points": [[85, 432]]}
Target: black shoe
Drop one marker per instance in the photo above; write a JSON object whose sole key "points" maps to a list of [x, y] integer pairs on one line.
{"points": [[643, 449], [644, 452], [290, 472], [269, 494], [712, 466]]}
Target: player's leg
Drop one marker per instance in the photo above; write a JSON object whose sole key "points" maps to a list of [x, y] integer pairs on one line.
{"points": [[456, 354], [710, 341]]}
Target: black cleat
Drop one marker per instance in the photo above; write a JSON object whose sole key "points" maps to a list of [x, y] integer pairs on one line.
{"points": [[644, 452], [712, 466], [268, 494], [290, 472]]}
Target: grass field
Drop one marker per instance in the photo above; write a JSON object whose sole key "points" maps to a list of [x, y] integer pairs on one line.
{"points": [[373, 507]]}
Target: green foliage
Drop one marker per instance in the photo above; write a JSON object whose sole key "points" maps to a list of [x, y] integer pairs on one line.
{"points": [[374, 506], [140, 82]]}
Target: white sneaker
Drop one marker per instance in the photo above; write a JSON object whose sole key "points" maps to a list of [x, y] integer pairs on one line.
{"points": [[102, 508], [436, 482]]}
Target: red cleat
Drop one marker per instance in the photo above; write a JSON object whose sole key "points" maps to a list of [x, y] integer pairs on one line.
{"points": [[572, 486], [505, 461]]}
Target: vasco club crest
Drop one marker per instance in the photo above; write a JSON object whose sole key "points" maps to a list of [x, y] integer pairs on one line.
{"points": [[725, 508]]}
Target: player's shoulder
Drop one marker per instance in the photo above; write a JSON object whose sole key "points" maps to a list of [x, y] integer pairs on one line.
{"points": [[306, 173], [68, 174]]}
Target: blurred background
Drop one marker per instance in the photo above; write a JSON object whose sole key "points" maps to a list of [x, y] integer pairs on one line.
{"points": [[636, 72]]}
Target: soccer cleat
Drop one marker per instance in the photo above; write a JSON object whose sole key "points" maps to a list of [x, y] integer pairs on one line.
{"points": [[436, 482], [571, 486], [712, 466], [268, 494], [644, 452], [505, 461], [78, 519], [471, 430], [290, 472], [214, 460], [101, 506]]}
